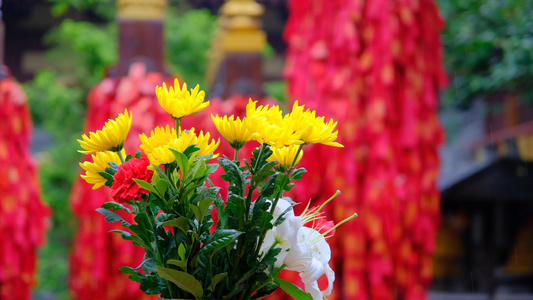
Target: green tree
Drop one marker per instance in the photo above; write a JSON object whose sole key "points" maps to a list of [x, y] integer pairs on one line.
{"points": [[488, 47]]}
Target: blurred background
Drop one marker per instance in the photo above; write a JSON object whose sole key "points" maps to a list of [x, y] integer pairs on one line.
{"points": [[458, 195]]}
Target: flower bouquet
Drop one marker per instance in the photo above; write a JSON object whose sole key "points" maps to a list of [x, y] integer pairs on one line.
{"points": [[167, 186]]}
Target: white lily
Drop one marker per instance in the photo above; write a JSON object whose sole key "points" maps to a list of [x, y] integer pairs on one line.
{"points": [[310, 255], [303, 249], [279, 235]]}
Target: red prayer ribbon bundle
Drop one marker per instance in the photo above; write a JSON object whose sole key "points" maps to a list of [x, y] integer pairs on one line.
{"points": [[24, 215], [98, 254], [376, 66]]}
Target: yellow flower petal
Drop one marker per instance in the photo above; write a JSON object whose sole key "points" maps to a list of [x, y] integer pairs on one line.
{"points": [[99, 164], [160, 136], [312, 129], [234, 130], [285, 156], [110, 138], [268, 126], [178, 101]]}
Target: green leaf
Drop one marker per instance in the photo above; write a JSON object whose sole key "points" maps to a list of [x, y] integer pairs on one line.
{"points": [[201, 208], [211, 168], [107, 177], [183, 280], [219, 239], [179, 263], [113, 168], [145, 185], [132, 237], [152, 284], [216, 279], [196, 212], [149, 265], [268, 189], [264, 172], [190, 150], [124, 234], [134, 274], [112, 217], [233, 174], [164, 176], [182, 160], [297, 173], [206, 157], [115, 206], [138, 154], [161, 186], [292, 289], [197, 171], [281, 217], [181, 223], [182, 252]]}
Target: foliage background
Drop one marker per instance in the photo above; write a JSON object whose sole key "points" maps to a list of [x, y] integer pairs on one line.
{"points": [[80, 52], [488, 47]]}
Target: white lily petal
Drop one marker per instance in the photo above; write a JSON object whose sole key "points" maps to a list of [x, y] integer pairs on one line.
{"points": [[331, 278], [281, 233], [282, 205], [298, 259], [312, 243], [310, 278]]}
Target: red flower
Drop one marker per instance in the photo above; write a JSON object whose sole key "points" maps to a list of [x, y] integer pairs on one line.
{"points": [[124, 189], [323, 226]]}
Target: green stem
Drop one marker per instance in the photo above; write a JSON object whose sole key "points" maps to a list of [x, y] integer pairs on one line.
{"points": [[275, 203], [263, 234], [178, 123], [261, 151], [120, 156], [236, 156], [294, 160], [242, 226], [251, 190]]}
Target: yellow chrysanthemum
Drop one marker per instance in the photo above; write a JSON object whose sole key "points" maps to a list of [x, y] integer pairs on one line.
{"points": [[285, 156], [110, 138], [158, 137], [178, 101], [312, 129], [188, 138], [206, 145], [99, 164], [233, 130], [161, 156], [268, 126]]}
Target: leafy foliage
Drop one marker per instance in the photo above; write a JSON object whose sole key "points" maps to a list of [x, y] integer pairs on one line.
{"points": [[179, 243], [488, 47]]}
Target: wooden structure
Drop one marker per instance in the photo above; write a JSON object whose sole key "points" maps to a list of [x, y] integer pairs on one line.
{"points": [[235, 56], [490, 209], [3, 69], [140, 24]]}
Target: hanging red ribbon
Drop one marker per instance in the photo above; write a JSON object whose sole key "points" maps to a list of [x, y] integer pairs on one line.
{"points": [[24, 215], [375, 66], [98, 254]]}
